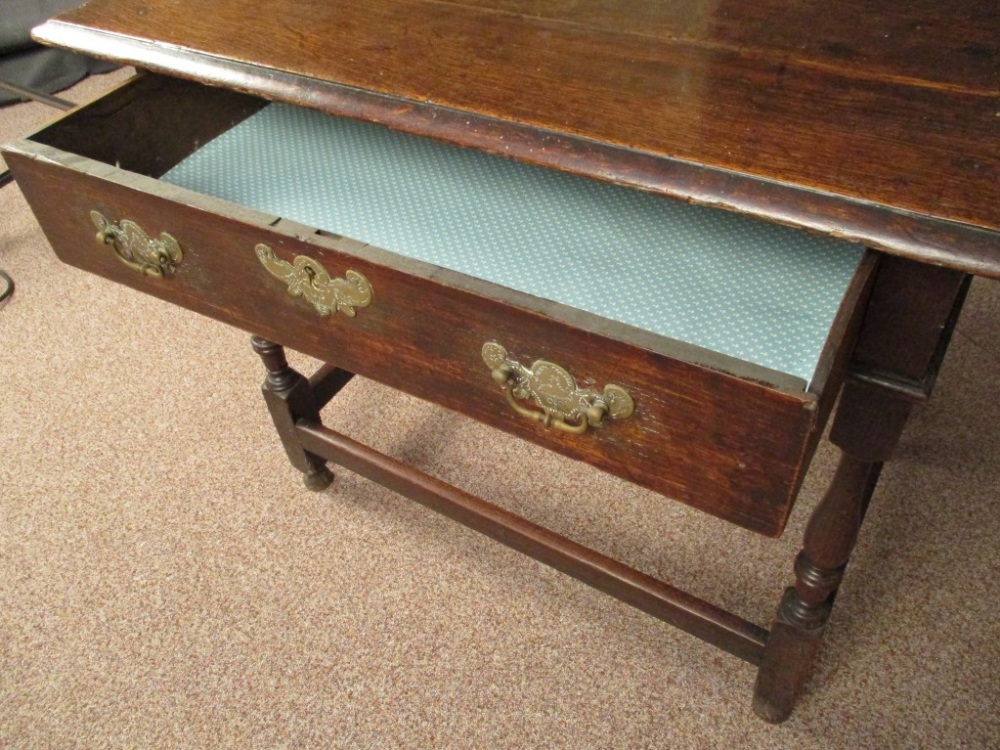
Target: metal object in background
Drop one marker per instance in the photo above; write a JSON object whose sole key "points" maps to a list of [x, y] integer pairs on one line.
{"points": [[6, 282], [6, 288], [38, 96]]}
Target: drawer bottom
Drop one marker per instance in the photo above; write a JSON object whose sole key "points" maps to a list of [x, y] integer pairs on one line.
{"points": [[730, 284]]}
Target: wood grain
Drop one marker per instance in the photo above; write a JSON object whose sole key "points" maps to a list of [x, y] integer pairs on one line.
{"points": [[860, 38], [771, 95], [732, 447]]}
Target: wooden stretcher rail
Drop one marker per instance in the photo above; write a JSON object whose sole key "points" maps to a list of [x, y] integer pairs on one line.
{"points": [[678, 608], [326, 383]]}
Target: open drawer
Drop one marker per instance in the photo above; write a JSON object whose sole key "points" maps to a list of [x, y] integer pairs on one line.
{"points": [[589, 352]]}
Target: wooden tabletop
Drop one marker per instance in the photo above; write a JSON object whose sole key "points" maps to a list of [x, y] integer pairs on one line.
{"points": [[874, 120]]}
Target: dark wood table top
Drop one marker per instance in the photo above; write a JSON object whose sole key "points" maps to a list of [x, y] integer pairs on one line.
{"points": [[874, 120]]}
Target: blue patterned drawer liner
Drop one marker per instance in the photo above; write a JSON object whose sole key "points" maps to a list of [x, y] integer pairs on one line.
{"points": [[728, 283]]}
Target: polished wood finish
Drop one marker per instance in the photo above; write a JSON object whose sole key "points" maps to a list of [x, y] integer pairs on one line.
{"points": [[722, 435], [865, 37], [781, 112], [909, 322], [864, 119], [289, 397]]}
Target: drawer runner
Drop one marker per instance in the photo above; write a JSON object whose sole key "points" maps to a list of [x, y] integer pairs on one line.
{"points": [[661, 600]]}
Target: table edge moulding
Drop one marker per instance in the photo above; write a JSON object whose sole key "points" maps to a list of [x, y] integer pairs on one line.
{"points": [[881, 142], [930, 231]]}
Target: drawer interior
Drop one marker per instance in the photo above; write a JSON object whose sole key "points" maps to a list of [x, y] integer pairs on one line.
{"points": [[715, 281], [731, 336]]}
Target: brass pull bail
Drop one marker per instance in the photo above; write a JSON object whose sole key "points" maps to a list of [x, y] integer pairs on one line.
{"points": [[136, 249], [563, 404]]}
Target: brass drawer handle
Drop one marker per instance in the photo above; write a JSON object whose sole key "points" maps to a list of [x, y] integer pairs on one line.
{"points": [[307, 278], [563, 404], [135, 248]]}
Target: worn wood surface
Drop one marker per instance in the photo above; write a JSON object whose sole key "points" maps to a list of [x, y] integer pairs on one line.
{"points": [[861, 118], [734, 447], [907, 327]]}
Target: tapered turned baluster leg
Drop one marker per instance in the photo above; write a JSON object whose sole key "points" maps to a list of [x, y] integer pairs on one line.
{"points": [[289, 398], [904, 336], [797, 632], [868, 425]]}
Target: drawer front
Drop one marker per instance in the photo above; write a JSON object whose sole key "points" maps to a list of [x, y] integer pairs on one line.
{"points": [[729, 446]]}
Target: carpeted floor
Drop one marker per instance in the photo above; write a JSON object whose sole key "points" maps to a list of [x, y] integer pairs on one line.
{"points": [[167, 582]]}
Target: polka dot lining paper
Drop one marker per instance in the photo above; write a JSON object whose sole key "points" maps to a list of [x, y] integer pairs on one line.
{"points": [[732, 284]]}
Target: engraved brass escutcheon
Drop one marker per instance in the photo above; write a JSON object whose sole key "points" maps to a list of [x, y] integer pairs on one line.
{"points": [[307, 278], [135, 248], [564, 405]]}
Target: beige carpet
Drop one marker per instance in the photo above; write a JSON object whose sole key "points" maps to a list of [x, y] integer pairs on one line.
{"points": [[167, 582]]}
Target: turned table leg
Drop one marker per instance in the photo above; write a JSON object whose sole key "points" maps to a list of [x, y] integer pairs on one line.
{"points": [[289, 398], [868, 425], [905, 333]]}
